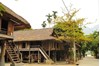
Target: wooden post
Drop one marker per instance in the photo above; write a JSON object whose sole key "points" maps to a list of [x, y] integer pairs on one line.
{"points": [[33, 57], [55, 51], [2, 59], [38, 57], [29, 55], [0, 24], [49, 49]]}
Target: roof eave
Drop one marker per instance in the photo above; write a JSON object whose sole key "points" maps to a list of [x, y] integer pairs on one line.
{"points": [[14, 17]]}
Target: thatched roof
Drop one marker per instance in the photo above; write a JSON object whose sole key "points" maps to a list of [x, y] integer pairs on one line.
{"points": [[34, 35], [18, 20]]}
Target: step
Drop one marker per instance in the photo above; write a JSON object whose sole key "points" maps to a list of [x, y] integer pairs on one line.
{"points": [[15, 59], [12, 54], [10, 50]]}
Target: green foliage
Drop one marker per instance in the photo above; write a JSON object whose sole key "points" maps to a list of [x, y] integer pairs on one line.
{"points": [[69, 28], [49, 18], [43, 24], [95, 43], [54, 14], [1, 10]]}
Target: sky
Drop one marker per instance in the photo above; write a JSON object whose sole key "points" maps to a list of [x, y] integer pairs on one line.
{"points": [[35, 11]]}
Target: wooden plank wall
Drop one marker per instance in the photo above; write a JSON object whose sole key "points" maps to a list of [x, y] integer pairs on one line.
{"points": [[10, 28], [47, 45]]}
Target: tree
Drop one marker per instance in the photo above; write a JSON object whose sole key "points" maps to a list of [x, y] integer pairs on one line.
{"points": [[49, 19], [69, 28], [43, 24], [54, 14], [95, 43], [1, 9]]}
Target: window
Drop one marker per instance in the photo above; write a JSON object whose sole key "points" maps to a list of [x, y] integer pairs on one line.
{"points": [[31, 45], [23, 45], [57, 45], [4, 27], [35, 44]]}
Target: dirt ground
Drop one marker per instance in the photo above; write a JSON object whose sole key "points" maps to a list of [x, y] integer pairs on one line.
{"points": [[26, 64]]}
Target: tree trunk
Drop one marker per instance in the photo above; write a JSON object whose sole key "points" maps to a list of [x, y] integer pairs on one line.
{"points": [[74, 51]]}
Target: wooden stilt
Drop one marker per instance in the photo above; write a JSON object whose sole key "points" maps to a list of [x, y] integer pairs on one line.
{"points": [[29, 55], [49, 49], [2, 59], [38, 57], [0, 23], [32, 57]]}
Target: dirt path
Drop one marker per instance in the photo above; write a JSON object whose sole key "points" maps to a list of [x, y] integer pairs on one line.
{"points": [[89, 61], [8, 64]]}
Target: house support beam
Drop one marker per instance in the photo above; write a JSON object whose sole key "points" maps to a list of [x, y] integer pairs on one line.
{"points": [[29, 55], [2, 58], [49, 49], [38, 57], [0, 24]]}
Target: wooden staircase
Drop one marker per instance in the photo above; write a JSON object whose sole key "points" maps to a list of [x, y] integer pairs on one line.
{"points": [[43, 52], [48, 59], [13, 53]]}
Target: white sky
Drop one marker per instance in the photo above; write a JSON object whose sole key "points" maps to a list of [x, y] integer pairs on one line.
{"points": [[34, 11]]}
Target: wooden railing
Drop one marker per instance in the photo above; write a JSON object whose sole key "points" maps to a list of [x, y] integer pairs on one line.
{"points": [[3, 31], [35, 46]]}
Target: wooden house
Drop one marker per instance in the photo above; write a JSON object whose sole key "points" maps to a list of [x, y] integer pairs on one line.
{"points": [[39, 45], [9, 22]]}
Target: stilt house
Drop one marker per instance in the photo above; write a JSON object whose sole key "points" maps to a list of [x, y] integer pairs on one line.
{"points": [[39, 45], [9, 22]]}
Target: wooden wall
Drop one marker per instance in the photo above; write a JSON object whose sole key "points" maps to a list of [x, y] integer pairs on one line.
{"points": [[47, 45], [10, 28], [8, 24]]}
